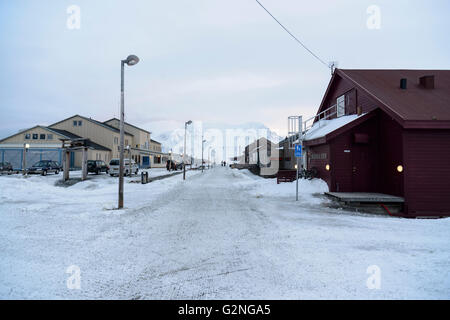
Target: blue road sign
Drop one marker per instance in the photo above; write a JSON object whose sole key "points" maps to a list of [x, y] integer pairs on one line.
{"points": [[298, 150]]}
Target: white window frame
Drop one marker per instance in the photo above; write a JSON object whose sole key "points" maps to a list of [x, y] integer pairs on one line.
{"points": [[340, 106]]}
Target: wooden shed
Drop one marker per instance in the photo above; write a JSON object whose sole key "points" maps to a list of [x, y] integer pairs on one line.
{"points": [[386, 131]]}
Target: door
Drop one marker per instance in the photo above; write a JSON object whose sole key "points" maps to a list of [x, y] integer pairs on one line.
{"points": [[361, 169], [145, 161]]}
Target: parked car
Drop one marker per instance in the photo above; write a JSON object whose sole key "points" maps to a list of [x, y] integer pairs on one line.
{"points": [[97, 166], [6, 167], [114, 167], [45, 166]]}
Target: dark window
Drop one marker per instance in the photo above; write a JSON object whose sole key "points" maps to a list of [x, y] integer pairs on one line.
{"points": [[42, 136], [27, 136], [80, 123], [75, 123], [35, 136]]}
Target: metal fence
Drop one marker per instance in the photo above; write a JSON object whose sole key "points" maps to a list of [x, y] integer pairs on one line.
{"points": [[15, 156]]}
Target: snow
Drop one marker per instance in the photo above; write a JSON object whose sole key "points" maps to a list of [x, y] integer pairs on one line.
{"points": [[323, 127], [221, 234]]}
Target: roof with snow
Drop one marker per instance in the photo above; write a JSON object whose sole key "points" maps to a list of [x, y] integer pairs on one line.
{"points": [[323, 127], [425, 103]]}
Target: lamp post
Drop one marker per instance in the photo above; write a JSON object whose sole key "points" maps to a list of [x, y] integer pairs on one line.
{"points": [[131, 61], [26, 146], [203, 142], [209, 158], [184, 150]]}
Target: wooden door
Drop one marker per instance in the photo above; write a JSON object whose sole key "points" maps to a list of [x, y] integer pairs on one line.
{"points": [[362, 180]]}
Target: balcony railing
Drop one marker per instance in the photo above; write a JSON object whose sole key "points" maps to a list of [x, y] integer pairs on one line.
{"points": [[320, 117]]}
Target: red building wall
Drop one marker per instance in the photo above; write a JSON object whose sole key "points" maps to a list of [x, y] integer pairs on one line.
{"points": [[353, 98], [427, 171], [315, 160], [355, 164], [390, 155]]}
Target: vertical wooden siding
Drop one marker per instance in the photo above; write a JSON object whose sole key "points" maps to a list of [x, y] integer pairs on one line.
{"points": [[427, 171]]}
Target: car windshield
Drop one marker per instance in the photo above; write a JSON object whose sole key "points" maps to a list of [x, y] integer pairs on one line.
{"points": [[114, 162], [40, 164]]}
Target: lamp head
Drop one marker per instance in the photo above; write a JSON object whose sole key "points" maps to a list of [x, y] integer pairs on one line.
{"points": [[131, 60]]}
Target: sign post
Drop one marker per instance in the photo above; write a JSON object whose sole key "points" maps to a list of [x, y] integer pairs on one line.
{"points": [[298, 155]]}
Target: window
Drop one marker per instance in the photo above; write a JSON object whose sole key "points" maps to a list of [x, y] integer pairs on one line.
{"points": [[126, 142], [50, 136], [340, 106], [42, 136], [27, 136], [80, 123], [116, 140], [75, 123], [35, 136]]}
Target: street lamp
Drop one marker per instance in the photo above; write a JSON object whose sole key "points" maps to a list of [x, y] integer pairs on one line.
{"points": [[209, 158], [203, 142], [26, 146], [131, 61], [184, 151]]}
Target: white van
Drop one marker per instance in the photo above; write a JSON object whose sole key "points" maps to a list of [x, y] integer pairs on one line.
{"points": [[114, 167]]}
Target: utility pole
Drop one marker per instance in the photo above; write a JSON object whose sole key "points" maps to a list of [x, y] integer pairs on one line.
{"points": [[131, 61]]}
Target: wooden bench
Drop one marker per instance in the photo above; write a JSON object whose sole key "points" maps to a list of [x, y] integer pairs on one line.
{"points": [[286, 176]]}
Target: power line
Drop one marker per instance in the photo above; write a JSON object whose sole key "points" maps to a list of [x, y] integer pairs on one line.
{"points": [[295, 38]]}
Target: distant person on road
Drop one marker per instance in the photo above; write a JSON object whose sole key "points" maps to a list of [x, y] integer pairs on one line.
{"points": [[168, 166]]}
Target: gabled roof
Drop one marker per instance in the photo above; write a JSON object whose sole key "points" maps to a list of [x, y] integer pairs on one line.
{"points": [[154, 141], [107, 126], [127, 124], [65, 133], [323, 127], [412, 107], [38, 126], [72, 136], [336, 127]]}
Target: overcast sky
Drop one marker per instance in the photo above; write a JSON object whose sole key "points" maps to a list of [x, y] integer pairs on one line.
{"points": [[206, 60]]}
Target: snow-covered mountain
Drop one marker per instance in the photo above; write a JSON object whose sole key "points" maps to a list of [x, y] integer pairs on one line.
{"points": [[217, 136]]}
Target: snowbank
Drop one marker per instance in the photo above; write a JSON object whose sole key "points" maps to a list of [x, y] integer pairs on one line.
{"points": [[309, 190]]}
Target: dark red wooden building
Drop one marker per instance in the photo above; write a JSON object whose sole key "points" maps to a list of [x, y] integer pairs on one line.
{"points": [[386, 131]]}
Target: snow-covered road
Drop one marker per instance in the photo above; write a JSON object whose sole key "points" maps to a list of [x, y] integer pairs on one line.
{"points": [[223, 234]]}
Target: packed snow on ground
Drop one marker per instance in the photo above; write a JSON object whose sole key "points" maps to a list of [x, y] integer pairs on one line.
{"points": [[221, 234]]}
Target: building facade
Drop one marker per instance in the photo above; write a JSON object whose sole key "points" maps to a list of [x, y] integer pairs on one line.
{"points": [[45, 143], [387, 131]]}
